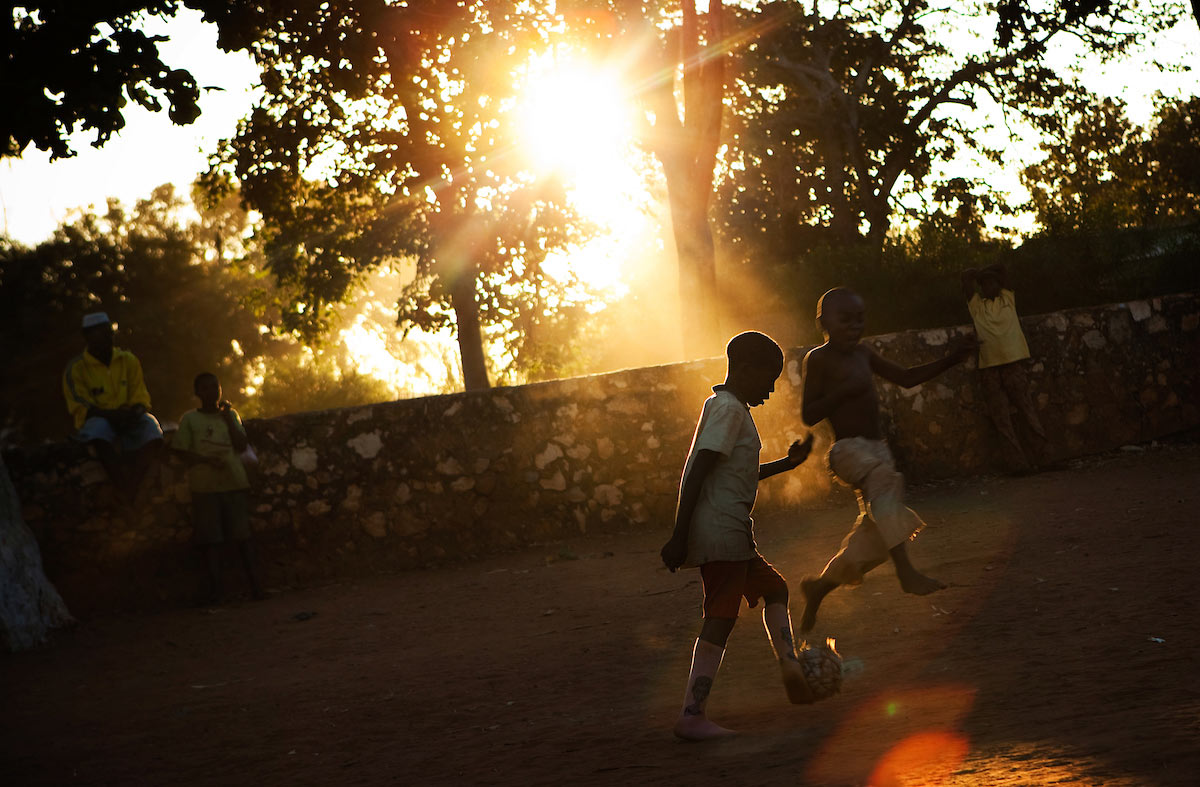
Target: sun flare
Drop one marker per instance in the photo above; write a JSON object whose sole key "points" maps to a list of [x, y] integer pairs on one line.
{"points": [[574, 118], [577, 122]]}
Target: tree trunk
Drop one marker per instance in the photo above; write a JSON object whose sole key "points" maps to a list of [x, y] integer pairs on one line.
{"points": [[470, 337], [696, 254], [844, 223], [687, 149], [455, 237], [29, 605], [878, 214]]}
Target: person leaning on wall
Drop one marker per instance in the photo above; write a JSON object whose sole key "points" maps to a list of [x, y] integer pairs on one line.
{"points": [[1003, 361]]}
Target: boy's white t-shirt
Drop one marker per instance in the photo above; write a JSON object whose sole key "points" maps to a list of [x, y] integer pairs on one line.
{"points": [[721, 527]]}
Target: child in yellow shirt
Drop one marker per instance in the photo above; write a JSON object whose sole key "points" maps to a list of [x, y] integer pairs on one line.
{"points": [[1003, 357], [210, 440]]}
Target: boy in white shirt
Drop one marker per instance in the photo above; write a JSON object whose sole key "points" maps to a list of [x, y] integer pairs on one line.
{"points": [[714, 531]]}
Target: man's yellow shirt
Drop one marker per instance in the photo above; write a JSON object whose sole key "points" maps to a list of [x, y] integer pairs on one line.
{"points": [[89, 383]]}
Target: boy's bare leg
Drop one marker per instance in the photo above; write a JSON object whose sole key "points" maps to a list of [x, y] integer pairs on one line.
{"points": [[814, 590], [693, 724], [1042, 455], [212, 562], [911, 580], [999, 409], [247, 551], [778, 624]]}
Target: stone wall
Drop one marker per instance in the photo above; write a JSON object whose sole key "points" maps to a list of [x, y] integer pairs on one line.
{"points": [[415, 483]]}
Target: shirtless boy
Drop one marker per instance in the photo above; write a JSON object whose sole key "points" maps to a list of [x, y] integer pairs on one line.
{"points": [[839, 385]]}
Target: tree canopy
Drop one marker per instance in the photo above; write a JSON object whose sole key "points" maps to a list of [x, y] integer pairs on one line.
{"points": [[67, 65], [841, 112], [384, 134], [1104, 172]]}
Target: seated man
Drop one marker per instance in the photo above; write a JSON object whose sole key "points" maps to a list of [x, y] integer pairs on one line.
{"points": [[107, 397]]}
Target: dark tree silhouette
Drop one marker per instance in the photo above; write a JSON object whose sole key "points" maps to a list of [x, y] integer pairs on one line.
{"points": [[67, 65]]}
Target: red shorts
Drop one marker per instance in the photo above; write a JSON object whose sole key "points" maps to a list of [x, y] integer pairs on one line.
{"points": [[727, 581]]}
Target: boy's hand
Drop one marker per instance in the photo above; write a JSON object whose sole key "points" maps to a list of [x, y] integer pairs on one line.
{"points": [[798, 451], [122, 416], [224, 406], [962, 347], [674, 552]]}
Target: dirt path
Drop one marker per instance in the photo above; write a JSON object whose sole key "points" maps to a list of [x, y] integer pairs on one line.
{"points": [[1064, 653]]}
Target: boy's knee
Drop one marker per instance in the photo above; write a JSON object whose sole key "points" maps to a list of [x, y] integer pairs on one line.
{"points": [[777, 596], [717, 630]]}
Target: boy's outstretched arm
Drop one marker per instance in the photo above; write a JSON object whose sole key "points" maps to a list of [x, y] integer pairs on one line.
{"points": [[797, 453], [674, 552], [915, 375]]}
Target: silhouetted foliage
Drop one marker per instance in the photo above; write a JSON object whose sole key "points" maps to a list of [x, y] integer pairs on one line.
{"points": [[68, 65], [838, 116], [1103, 172], [306, 381]]}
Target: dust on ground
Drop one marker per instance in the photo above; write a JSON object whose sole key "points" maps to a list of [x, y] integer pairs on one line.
{"points": [[1064, 652]]}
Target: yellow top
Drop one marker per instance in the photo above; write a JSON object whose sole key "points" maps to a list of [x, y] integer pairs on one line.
{"points": [[208, 435], [89, 383], [1001, 339]]}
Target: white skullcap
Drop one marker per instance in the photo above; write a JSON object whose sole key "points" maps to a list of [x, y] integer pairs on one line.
{"points": [[96, 318]]}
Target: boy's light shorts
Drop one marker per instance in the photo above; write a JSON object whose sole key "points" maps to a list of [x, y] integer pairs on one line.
{"points": [[726, 582], [220, 516], [133, 436]]}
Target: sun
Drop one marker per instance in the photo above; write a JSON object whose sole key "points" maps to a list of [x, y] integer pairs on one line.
{"points": [[574, 117], [577, 121]]}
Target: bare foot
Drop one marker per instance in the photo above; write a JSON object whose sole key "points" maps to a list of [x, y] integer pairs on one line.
{"points": [[814, 591], [920, 585], [794, 684], [699, 728]]}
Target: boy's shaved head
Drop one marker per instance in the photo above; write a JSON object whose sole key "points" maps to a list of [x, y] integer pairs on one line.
{"points": [[753, 347], [834, 297], [202, 378]]}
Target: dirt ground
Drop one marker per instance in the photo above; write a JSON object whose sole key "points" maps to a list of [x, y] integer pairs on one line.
{"points": [[1064, 652]]}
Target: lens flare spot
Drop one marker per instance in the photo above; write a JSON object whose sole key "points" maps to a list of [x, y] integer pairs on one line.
{"points": [[926, 758]]}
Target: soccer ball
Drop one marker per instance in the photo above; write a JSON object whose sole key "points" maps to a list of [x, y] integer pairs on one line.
{"points": [[822, 669]]}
